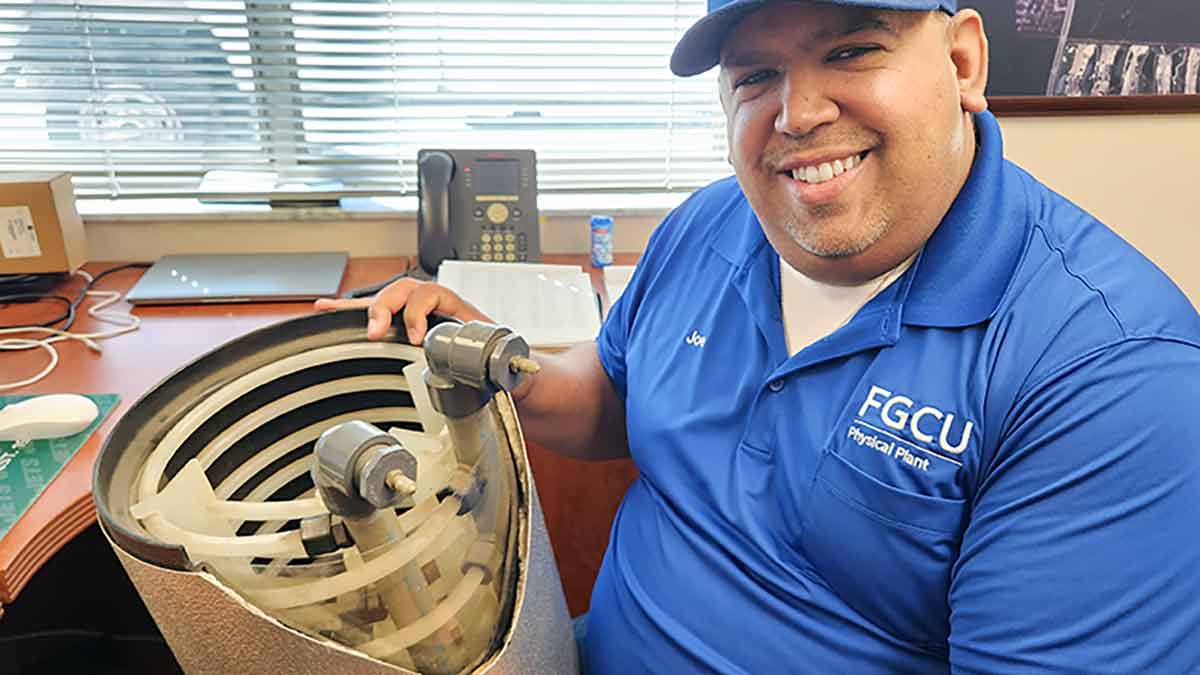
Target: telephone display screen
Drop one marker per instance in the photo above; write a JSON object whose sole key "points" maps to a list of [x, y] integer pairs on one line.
{"points": [[497, 176]]}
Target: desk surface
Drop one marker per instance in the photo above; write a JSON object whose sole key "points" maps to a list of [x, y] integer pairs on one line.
{"points": [[579, 498]]}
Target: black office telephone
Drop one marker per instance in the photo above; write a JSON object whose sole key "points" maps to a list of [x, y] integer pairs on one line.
{"points": [[477, 205]]}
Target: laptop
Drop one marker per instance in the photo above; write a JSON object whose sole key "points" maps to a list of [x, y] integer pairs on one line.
{"points": [[239, 277]]}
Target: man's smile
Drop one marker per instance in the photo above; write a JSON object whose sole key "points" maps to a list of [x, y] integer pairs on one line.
{"points": [[816, 182], [826, 171]]}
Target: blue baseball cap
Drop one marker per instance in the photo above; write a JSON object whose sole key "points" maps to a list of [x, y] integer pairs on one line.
{"points": [[700, 47]]}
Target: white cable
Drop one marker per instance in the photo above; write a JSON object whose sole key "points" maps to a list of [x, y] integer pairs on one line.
{"points": [[127, 322], [17, 343]]}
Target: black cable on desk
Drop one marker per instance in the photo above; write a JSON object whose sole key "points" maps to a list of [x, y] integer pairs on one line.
{"points": [[72, 305], [91, 284], [110, 270], [68, 315], [32, 284]]}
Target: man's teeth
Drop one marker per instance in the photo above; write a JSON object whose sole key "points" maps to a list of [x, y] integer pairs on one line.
{"points": [[827, 170]]}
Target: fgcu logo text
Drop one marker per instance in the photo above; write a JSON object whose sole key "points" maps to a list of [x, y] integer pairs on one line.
{"points": [[897, 412]]}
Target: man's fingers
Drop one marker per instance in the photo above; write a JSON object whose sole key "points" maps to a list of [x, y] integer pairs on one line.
{"points": [[379, 317], [415, 324], [385, 304], [329, 304], [424, 300], [417, 299]]}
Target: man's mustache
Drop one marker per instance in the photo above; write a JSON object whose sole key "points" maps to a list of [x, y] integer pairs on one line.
{"points": [[779, 154]]}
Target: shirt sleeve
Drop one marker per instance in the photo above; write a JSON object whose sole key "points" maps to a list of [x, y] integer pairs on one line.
{"points": [[1083, 549]]}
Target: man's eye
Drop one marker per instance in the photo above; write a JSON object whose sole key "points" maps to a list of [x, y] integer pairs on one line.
{"points": [[847, 53], [756, 77]]}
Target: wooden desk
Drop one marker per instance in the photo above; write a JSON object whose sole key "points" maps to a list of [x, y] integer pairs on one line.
{"points": [[579, 498]]}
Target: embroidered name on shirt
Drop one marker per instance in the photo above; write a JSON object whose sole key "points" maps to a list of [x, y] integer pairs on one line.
{"points": [[696, 339], [883, 415]]}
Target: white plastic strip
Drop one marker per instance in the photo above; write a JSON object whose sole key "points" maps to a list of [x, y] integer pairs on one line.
{"points": [[275, 482], [275, 567], [152, 470], [285, 510], [264, 458], [281, 544], [419, 442], [401, 554], [431, 420], [428, 624], [265, 414], [271, 484]]}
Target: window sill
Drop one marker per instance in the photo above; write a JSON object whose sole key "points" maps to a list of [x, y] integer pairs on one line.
{"points": [[354, 209]]}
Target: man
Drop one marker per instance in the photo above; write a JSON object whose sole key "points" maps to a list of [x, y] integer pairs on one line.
{"points": [[896, 406]]}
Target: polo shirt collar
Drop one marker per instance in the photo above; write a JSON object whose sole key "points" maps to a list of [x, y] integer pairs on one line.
{"points": [[740, 235], [966, 265], [964, 268]]}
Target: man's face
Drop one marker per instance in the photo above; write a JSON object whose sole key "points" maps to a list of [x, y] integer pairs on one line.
{"points": [[846, 131]]}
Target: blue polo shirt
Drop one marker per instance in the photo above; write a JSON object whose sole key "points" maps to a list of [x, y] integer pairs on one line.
{"points": [[994, 467]]}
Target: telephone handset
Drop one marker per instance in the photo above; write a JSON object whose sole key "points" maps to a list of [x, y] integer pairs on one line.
{"points": [[477, 205]]}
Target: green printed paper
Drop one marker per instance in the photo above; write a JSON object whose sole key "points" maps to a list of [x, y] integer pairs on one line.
{"points": [[26, 471]]}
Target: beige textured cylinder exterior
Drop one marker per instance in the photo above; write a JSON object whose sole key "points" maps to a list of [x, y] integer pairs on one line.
{"points": [[214, 631]]}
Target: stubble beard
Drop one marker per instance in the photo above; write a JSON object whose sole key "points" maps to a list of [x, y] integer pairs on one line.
{"points": [[818, 241]]}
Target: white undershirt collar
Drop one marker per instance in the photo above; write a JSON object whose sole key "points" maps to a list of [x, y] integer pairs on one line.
{"points": [[813, 310]]}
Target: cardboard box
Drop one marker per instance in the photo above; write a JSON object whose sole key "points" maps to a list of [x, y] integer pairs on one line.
{"points": [[40, 230]]}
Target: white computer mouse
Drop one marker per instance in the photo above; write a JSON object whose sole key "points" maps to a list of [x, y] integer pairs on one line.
{"points": [[49, 416]]}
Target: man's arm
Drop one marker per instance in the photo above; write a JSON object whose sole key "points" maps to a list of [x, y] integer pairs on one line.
{"points": [[569, 406], [1084, 542]]}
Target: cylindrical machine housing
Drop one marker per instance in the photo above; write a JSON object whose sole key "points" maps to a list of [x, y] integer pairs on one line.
{"points": [[203, 483]]}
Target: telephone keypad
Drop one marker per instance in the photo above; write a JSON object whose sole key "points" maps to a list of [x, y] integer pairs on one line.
{"points": [[499, 243]]}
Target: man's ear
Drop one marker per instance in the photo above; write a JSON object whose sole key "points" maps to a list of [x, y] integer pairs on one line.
{"points": [[969, 53]]}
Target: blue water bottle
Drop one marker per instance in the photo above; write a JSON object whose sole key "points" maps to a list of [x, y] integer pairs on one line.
{"points": [[602, 247]]}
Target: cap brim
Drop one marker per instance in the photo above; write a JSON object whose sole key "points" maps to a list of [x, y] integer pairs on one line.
{"points": [[700, 47]]}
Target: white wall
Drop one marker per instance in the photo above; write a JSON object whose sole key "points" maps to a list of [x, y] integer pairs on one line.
{"points": [[1140, 174]]}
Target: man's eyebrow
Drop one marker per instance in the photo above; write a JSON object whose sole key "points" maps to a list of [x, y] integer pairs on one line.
{"points": [[858, 24], [745, 57]]}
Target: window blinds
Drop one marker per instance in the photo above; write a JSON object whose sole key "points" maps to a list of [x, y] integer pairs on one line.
{"points": [[195, 98]]}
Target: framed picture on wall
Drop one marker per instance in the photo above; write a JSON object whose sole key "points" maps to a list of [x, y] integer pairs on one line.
{"points": [[1069, 56]]}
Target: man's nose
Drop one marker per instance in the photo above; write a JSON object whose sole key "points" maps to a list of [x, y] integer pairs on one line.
{"points": [[804, 107]]}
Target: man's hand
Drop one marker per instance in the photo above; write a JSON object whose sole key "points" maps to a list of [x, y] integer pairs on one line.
{"points": [[419, 299], [570, 405]]}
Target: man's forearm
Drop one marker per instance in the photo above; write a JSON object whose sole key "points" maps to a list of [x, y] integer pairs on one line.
{"points": [[570, 406]]}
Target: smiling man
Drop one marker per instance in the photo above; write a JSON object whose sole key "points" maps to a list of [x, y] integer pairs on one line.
{"points": [[896, 406], [848, 170]]}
